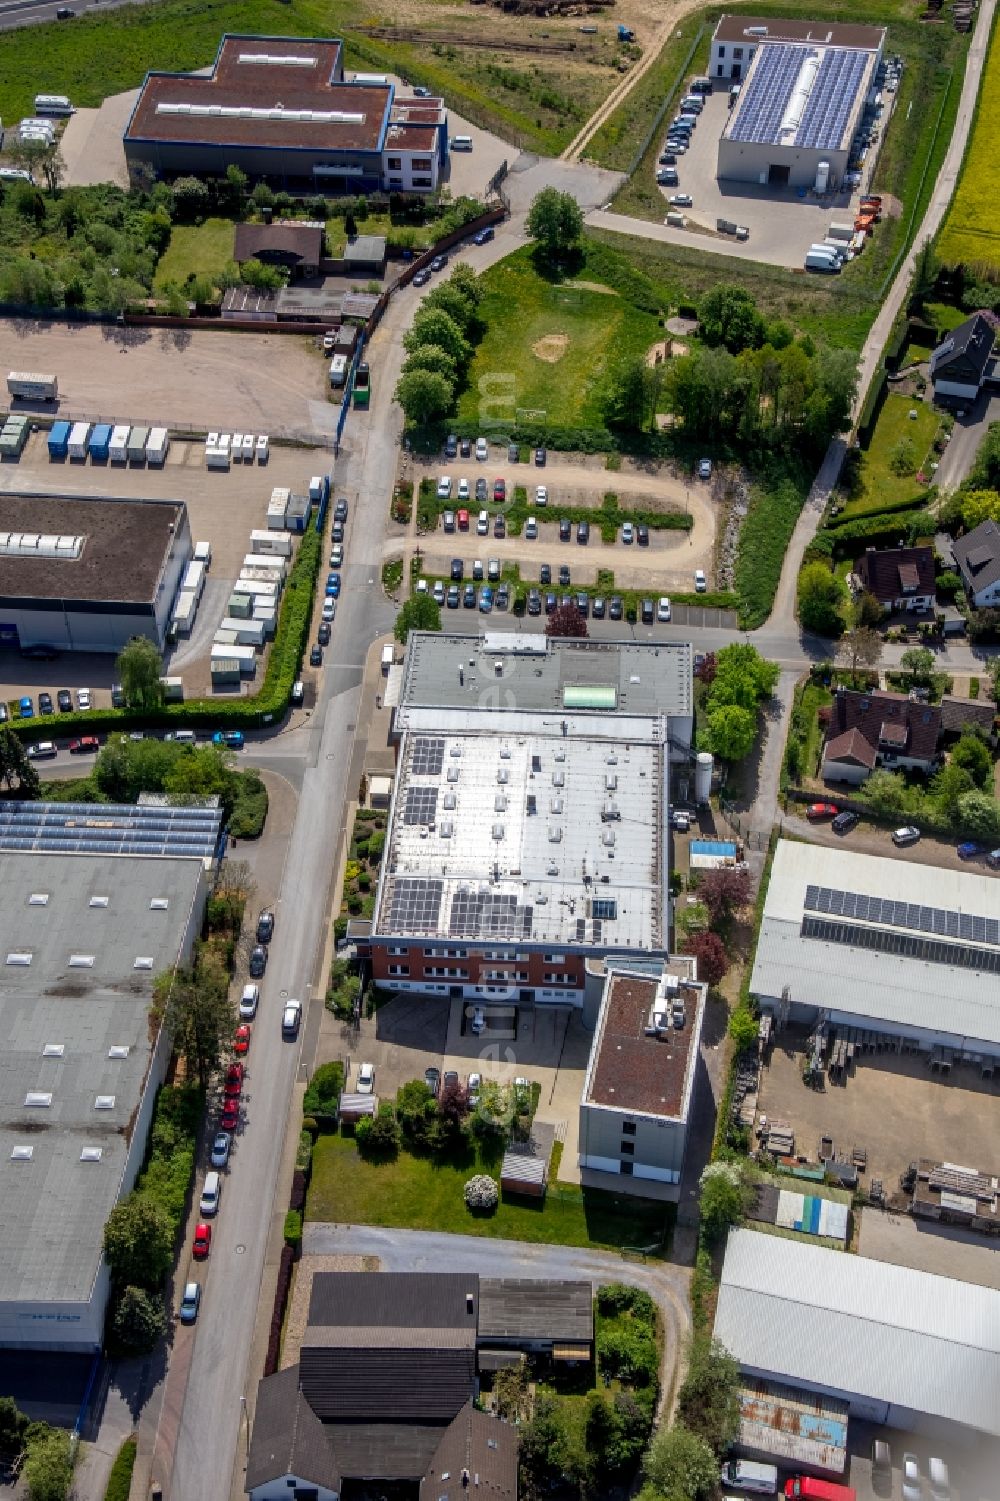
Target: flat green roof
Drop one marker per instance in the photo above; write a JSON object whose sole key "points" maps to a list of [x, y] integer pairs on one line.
{"points": [[590, 696]]}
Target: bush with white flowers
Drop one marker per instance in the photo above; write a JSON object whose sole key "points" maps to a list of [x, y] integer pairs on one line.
{"points": [[482, 1192]]}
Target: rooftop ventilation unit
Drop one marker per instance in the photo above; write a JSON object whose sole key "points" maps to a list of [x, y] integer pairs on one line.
{"points": [[159, 904], [450, 800], [503, 776], [278, 59], [39, 1098], [38, 899], [36, 545], [555, 834], [558, 779], [118, 1051], [104, 1102], [500, 802], [53, 1050], [446, 828], [21, 1154], [498, 831], [98, 901], [21, 956], [81, 961], [143, 961], [91, 1154]]}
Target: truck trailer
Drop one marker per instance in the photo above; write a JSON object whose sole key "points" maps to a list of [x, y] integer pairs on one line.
{"points": [[31, 387]]}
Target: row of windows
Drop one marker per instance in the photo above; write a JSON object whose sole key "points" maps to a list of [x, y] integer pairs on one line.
{"points": [[512, 976], [418, 164], [559, 977]]}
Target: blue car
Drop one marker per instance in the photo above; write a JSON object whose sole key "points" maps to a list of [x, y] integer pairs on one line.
{"points": [[333, 585], [233, 738], [26, 708], [486, 599], [970, 850], [482, 235]]}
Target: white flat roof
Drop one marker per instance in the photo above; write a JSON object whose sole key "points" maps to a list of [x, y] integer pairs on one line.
{"points": [[518, 834], [845, 1323], [930, 961]]}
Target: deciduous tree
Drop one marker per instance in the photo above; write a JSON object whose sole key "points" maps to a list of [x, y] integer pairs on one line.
{"points": [[139, 1319], [822, 598], [860, 647], [728, 316], [555, 222], [918, 663], [730, 732], [708, 1401], [419, 613], [973, 754], [680, 1466], [566, 620], [710, 952], [195, 1006], [725, 892], [16, 771], [138, 669], [434, 326], [138, 1242], [425, 396]]}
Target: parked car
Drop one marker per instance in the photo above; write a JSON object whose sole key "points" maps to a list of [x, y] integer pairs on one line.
{"points": [[337, 555], [667, 177], [817, 811], [462, 517], [421, 278], [700, 581], [316, 656], [232, 738], [452, 599], [191, 1301], [86, 745], [970, 850], [540, 457], [583, 604], [545, 573], [473, 1089], [469, 597], [298, 692], [432, 1078], [565, 529], [265, 926], [444, 487], [258, 961], [477, 1026], [337, 532], [501, 600], [550, 603], [534, 602], [366, 1079], [680, 200], [598, 607], [483, 524], [482, 490], [663, 609], [680, 820], [993, 859], [329, 611], [45, 703], [291, 1016], [483, 235], [493, 570], [500, 490], [221, 1148], [647, 611], [457, 570], [564, 578], [450, 1079], [482, 450], [531, 529], [211, 1193], [241, 1039], [439, 262], [583, 533], [340, 510], [333, 584], [25, 708], [463, 489], [465, 448], [704, 468], [323, 633], [642, 534], [616, 607], [248, 1002], [499, 526], [65, 701], [513, 453], [541, 495], [83, 698], [628, 533], [906, 835], [845, 822], [202, 1243], [668, 159], [438, 592], [42, 750], [485, 599], [233, 1086]]}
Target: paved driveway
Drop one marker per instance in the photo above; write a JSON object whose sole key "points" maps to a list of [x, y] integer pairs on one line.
{"points": [[967, 434], [424, 1251]]}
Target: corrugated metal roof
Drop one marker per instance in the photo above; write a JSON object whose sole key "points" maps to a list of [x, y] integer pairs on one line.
{"points": [[846, 1323]]}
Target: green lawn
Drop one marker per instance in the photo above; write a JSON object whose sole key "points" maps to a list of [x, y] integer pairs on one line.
{"points": [[549, 346], [196, 249], [878, 488], [420, 1193]]}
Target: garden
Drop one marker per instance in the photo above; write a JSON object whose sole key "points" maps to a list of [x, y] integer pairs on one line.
{"points": [[896, 468], [364, 857]]}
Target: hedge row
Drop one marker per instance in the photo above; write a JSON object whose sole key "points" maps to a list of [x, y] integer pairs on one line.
{"points": [[120, 1479], [173, 1142], [882, 529], [278, 1315], [224, 713]]}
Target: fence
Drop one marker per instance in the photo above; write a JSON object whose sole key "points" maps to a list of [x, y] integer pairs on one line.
{"points": [[668, 100]]}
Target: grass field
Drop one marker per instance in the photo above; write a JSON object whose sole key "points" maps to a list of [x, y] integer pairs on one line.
{"points": [[971, 232], [620, 137], [420, 1193], [878, 488], [198, 249], [549, 346]]}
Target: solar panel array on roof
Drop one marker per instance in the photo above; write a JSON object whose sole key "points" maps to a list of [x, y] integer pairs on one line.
{"points": [[760, 111], [421, 805], [109, 828], [414, 904], [942, 922], [908, 945], [833, 93], [488, 914], [428, 756]]}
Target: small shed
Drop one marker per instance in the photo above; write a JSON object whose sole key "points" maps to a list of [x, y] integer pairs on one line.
{"points": [[366, 253], [525, 1166], [354, 1106], [379, 791]]}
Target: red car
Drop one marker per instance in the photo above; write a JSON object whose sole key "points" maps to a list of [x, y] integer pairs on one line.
{"points": [[202, 1241], [463, 521], [234, 1081], [87, 745], [500, 489], [229, 1115], [816, 811], [241, 1042]]}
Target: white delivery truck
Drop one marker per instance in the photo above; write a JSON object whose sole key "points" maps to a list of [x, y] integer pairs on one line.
{"points": [[31, 387], [185, 609], [816, 261]]}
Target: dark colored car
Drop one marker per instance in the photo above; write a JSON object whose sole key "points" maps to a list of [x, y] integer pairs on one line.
{"points": [[499, 527], [647, 612], [513, 453], [265, 927], [439, 262], [564, 578], [500, 490], [451, 598], [550, 603], [45, 703], [540, 457], [316, 656], [450, 446], [668, 159], [323, 634], [421, 278], [337, 532], [970, 850], [642, 534], [457, 569], [465, 448], [482, 492], [432, 1078], [469, 597], [615, 608], [583, 533], [340, 510], [534, 602], [565, 529], [501, 600], [87, 745], [545, 574], [64, 699], [483, 235], [599, 607], [845, 822], [583, 604], [258, 961]]}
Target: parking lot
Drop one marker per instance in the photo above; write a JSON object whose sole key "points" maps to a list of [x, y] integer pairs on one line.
{"points": [[782, 225], [197, 379], [892, 1105]]}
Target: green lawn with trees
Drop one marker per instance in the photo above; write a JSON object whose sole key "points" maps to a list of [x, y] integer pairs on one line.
{"points": [[202, 251]]}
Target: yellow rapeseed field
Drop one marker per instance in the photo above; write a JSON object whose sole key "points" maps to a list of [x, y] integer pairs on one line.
{"points": [[971, 233]]}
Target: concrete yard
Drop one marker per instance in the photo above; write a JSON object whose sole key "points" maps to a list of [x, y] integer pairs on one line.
{"points": [[928, 1246], [92, 145], [892, 1105], [198, 379]]}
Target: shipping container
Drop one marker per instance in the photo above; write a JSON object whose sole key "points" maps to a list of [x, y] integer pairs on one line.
{"points": [[263, 448], [276, 508], [31, 387], [193, 581], [157, 446], [59, 440], [259, 582], [118, 447], [99, 443], [267, 616], [225, 638], [248, 448], [275, 567], [217, 458], [246, 656], [298, 513], [173, 689], [278, 544], [52, 104], [78, 435], [240, 606], [225, 672], [338, 370], [236, 448], [13, 436], [185, 609], [224, 441], [137, 440], [203, 553], [247, 632]]}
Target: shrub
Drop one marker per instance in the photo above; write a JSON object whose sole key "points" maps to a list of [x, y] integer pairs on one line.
{"points": [[379, 1135], [48, 1466], [120, 1479], [629, 1355], [278, 1313], [139, 1320], [293, 1229], [619, 1297], [743, 1028], [482, 1193], [303, 1155], [323, 1094]]}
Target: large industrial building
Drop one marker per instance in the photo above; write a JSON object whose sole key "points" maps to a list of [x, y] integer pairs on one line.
{"points": [[97, 903], [529, 828], [900, 1347], [885, 946], [87, 575], [802, 90], [639, 1084], [281, 109]]}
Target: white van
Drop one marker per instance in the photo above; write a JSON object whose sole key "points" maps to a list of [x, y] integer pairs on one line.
{"points": [[461, 143], [747, 1475], [388, 655], [210, 1195]]}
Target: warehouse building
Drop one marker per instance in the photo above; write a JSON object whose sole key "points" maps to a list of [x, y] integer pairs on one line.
{"points": [[639, 1084], [281, 110], [529, 828], [802, 90], [885, 946], [94, 909], [903, 1348], [87, 575]]}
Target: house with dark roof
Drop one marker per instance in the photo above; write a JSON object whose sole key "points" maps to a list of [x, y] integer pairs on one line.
{"points": [[900, 578], [294, 245], [961, 714], [959, 363], [977, 558], [879, 729], [386, 1377]]}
